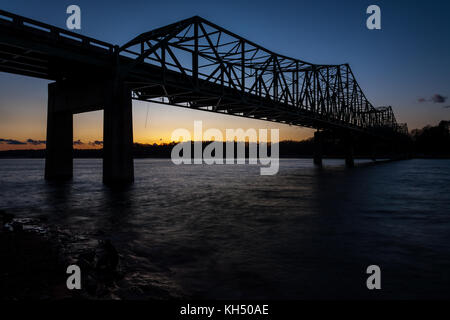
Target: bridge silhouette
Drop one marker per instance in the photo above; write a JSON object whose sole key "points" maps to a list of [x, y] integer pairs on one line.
{"points": [[191, 63]]}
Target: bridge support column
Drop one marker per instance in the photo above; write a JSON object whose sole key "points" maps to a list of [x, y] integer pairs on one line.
{"points": [[59, 146], [118, 165], [349, 157], [318, 148], [373, 150]]}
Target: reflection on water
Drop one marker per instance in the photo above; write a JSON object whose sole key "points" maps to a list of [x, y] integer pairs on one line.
{"points": [[224, 231]]}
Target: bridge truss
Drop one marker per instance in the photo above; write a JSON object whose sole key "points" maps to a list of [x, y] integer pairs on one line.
{"points": [[220, 71]]}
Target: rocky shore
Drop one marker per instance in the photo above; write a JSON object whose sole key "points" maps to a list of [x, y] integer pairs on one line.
{"points": [[33, 266], [34, 258]]}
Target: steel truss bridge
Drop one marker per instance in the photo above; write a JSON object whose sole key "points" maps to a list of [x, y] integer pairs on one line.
{"points": [[223, 72], [195, 64]]}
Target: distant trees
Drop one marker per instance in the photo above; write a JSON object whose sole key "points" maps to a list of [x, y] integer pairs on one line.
{"points": [[432, 141]]}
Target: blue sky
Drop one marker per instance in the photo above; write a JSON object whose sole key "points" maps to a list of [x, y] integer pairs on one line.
{"points": [[408, 59]]}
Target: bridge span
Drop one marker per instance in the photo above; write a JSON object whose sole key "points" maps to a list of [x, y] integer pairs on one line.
{"points": [[191, 63]]}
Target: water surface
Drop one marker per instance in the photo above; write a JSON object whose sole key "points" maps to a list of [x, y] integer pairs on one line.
{"points": [[224, 231]]}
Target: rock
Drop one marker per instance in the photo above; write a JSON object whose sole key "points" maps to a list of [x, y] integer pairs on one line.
{"points": [[90, 284], [86, 261], [13, 227], [8, 223], [6, 217], [100, 269], [8, 227], [17, 226], [106, 257]]}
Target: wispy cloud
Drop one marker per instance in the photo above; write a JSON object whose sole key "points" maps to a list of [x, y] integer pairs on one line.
{"points": [[35, 142], [436, 98], [11, 141], [447, 107], [78, 142], [96, 143]]}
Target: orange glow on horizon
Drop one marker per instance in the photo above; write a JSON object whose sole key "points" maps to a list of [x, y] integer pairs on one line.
{"points": [[152, 123]]}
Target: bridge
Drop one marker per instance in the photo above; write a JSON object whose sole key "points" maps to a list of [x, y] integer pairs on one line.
{"points": [[191, 63]]}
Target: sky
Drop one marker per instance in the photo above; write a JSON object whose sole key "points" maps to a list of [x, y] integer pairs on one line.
{"points": [[406, 64]]}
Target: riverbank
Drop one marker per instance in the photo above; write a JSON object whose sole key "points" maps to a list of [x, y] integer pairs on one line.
{"points": [[35, 257], [32, 261]]}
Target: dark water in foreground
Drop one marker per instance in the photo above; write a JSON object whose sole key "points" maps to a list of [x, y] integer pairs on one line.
{"points": [[227, 232]]}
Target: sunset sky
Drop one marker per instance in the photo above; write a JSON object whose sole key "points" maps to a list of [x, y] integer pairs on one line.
{"points": [[406, 64]]}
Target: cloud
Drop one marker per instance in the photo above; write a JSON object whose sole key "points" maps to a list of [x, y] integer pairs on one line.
{"points": [[11, 141], [446, 107], [78, 142], [35, 142], [17, 142], [96, 143], [437, 98]]}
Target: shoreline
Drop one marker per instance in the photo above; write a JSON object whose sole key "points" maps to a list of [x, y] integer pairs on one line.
{"points": [[32, 260], [35, 256]]}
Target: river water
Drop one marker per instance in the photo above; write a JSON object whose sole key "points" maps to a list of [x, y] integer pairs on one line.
{"points": [[226, 232]]}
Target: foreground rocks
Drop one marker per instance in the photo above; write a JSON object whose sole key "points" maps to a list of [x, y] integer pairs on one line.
{"points": [[34, 260], [31, 267], [34, 257]]}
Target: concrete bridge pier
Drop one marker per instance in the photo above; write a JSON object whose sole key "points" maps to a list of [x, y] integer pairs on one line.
{"points": [[59, 145], [373, 150], [118, 167], [349, 151], [67, 97], [318, 148]]}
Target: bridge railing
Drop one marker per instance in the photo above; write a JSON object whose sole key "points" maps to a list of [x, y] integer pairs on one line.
{"points": [[19, 22]]}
